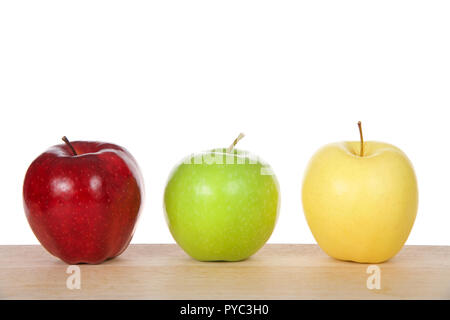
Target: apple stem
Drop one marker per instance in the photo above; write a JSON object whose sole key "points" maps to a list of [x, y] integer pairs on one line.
{"points": [[361, 153], [70, 145], [240, 136]]}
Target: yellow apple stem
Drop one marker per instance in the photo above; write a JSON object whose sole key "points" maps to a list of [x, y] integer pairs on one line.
{"points": [[69, 145], [240, 136], [361, 153]]}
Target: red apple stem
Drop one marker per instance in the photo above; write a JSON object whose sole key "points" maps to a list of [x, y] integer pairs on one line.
{"points": [[361, 153], [70, 145], [240, 136]]}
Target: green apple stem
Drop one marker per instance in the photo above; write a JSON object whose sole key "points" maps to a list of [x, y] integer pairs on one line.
{"points": [[361, 153], [240, 136], [70, 145]]}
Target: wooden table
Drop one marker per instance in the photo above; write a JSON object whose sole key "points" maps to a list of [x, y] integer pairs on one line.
{"points": [[278, 271]]}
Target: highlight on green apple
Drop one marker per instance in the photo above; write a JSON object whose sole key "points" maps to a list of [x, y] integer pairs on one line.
{"points": [[360, 199], [222, 205]]}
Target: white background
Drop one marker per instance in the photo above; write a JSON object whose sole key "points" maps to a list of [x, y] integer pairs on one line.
{"points": [[168, 78]]}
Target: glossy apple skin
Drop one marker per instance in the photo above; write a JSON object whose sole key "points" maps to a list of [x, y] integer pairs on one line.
{"points": [[221, 211], [83, 208]]}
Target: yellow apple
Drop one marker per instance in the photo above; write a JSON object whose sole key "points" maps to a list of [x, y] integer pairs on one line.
{"points": [[360, 200]]}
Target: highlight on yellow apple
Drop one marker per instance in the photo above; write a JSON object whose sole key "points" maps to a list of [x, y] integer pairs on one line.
{"points": [[360, 200]]}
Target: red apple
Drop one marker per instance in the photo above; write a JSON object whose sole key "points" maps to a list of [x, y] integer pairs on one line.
{"points": [[82, 200]]}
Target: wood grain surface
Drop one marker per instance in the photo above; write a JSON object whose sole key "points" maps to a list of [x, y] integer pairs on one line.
{"points": [[278, 271]]}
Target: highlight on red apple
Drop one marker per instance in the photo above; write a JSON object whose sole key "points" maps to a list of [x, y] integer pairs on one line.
{"points": [[82, 200]]}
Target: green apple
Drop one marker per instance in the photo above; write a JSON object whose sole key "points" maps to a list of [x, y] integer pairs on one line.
{"points": [[221, 205]]}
